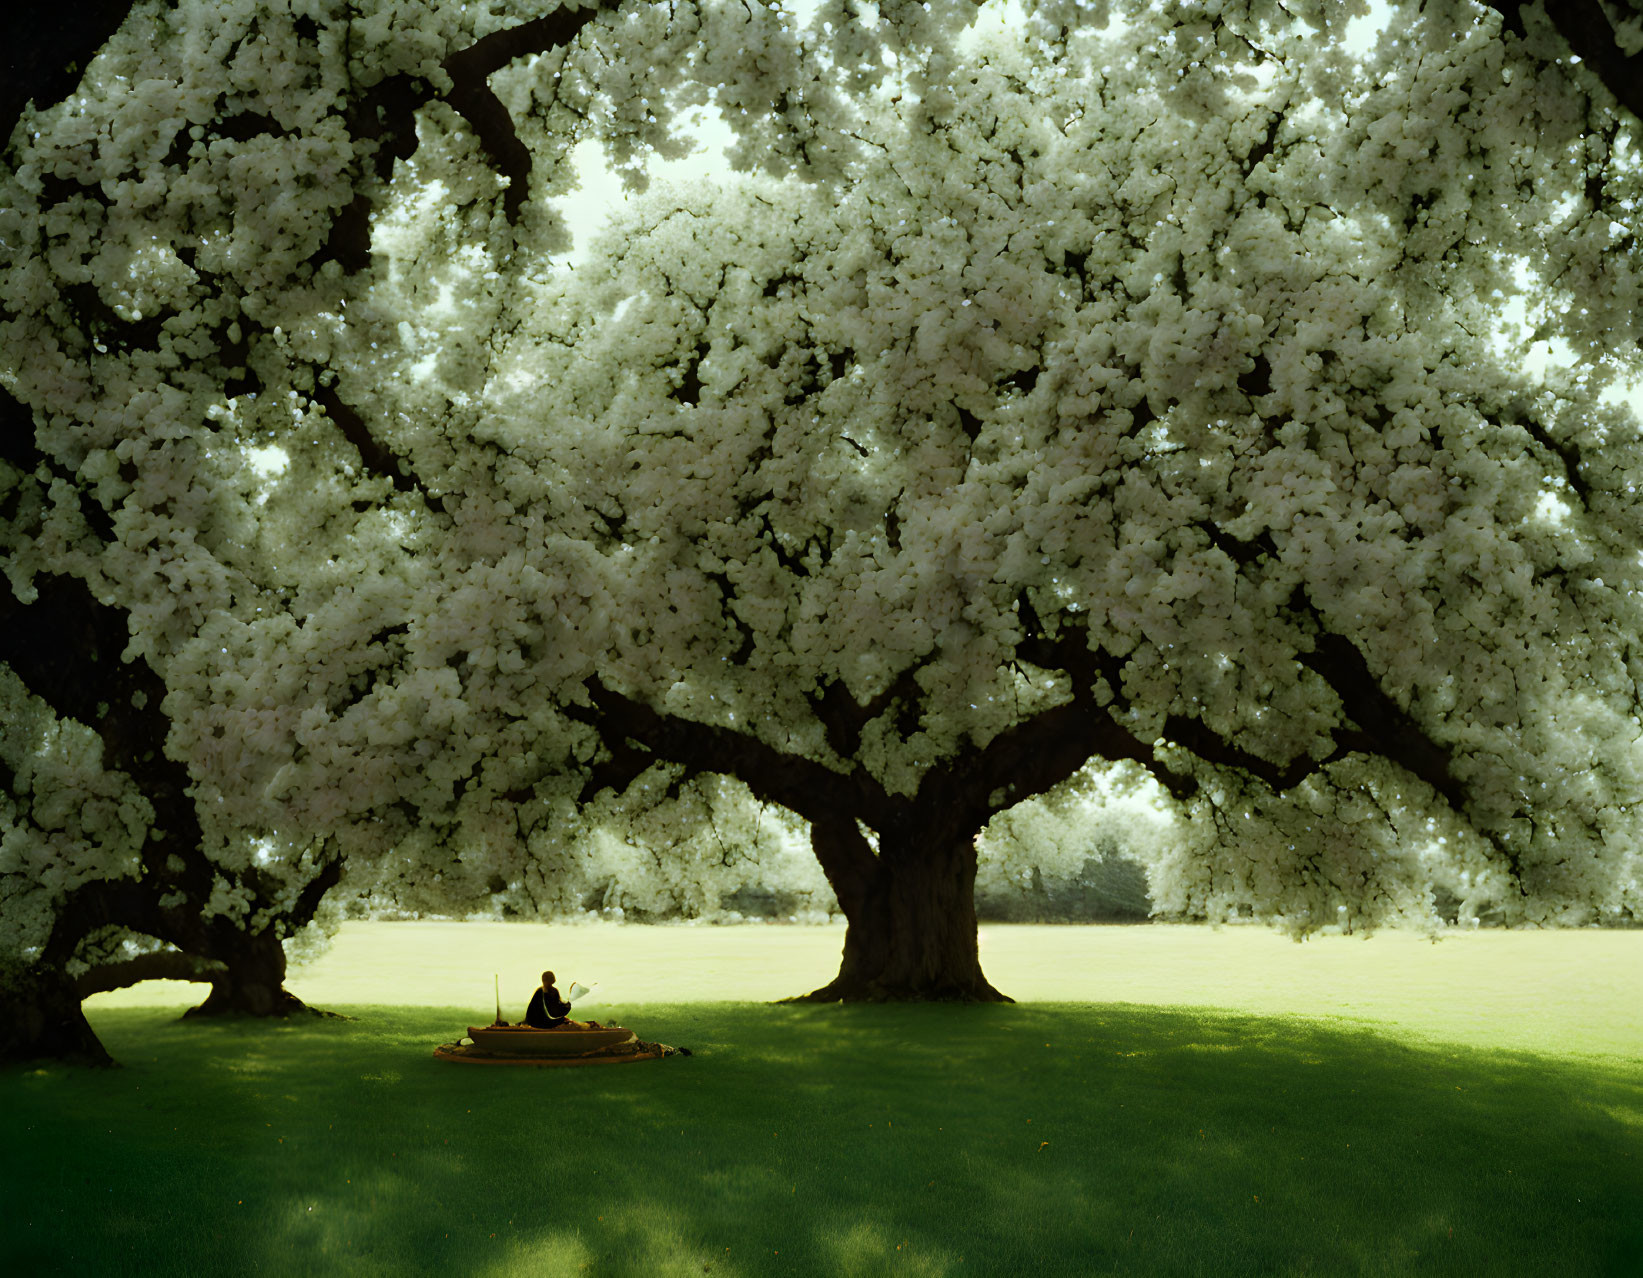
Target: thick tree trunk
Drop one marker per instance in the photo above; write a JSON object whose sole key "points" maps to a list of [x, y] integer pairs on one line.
{"points": [[40, 1018], [910, 916], [910, 905], [252, 982]]}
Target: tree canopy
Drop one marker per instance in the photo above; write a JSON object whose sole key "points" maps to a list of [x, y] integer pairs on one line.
{"points": [[1097, 395]]}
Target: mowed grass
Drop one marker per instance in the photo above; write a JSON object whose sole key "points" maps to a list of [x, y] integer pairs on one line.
{"points": [[1039, 1138]]}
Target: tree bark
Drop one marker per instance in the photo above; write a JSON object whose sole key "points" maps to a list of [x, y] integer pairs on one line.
{"points": [[41, 1018], [910, 931], [252, 982]]}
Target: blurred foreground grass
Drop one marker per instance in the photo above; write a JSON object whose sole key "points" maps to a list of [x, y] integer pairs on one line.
{"points": [[1052, 1138]]}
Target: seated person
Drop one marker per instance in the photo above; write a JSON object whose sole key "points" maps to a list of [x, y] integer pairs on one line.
{"points": [[547, 1009]]}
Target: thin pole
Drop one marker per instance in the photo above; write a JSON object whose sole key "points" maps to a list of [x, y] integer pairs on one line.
{"points": [[498, 978]]}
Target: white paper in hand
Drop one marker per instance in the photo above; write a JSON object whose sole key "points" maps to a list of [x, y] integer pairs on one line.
{"points": [[577, 990]]}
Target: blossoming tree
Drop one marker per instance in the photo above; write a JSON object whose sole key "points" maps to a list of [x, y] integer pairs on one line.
{"points": [[1124, 387], [1140, 410]]}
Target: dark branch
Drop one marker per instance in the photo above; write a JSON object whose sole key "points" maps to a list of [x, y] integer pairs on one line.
{"points": [[376, 457], [1382, 727], [66, 648], [792, 781], [1246, 554], [93, 906], [308, 900], [843, 718], [1379, 725], [45, 49], [1567, 454], [169, 965], [1193, 734], [1080, 725], [1591, 39], [386, 115], [1511, 15], [472, 96], [1038, 754], [1211, 747], [1586, 29], [1263, 145]]}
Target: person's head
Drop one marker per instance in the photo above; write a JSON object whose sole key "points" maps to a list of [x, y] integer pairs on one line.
{"points": [[547, 980]]}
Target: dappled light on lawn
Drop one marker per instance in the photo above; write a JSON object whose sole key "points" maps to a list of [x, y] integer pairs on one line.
{"points": [[1059, 1138]]}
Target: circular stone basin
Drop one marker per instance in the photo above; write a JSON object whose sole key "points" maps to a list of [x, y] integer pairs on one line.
{"points": [[622, 1053], [527, 1040]]}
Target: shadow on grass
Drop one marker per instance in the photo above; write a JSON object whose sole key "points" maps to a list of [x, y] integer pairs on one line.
{"points": [[839, 1140]]}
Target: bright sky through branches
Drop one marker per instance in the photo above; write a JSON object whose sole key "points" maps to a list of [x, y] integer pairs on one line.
{"points": [[600, 193]]}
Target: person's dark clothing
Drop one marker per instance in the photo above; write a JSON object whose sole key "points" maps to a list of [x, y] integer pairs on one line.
{"points": [[547, 1009]]}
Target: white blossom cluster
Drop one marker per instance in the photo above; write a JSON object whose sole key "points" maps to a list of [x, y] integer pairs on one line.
{"points": [[1175, 321]]}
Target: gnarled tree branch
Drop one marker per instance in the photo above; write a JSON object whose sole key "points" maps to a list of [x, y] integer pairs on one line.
{"points": [[374, 455], [472, 96], [166, 965], [66, 648], [637, 737], [794, 782]]}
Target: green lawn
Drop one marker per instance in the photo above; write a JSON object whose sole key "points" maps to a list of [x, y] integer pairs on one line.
{"points": [[1046, 1137]]}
